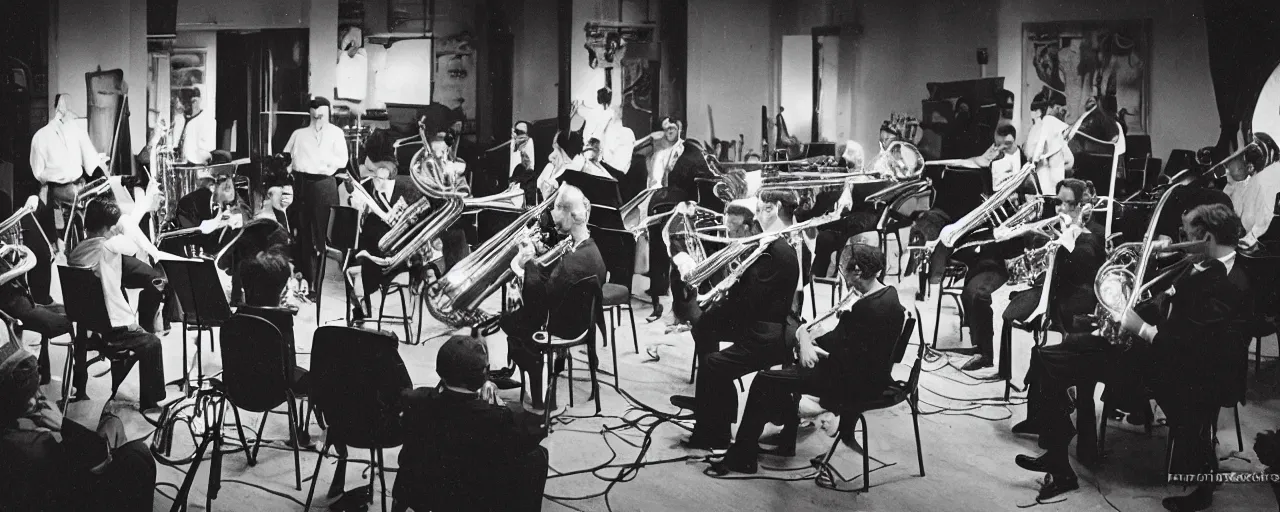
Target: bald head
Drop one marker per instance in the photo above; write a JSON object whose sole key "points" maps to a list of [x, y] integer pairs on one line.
{"points": [[572, 208]]}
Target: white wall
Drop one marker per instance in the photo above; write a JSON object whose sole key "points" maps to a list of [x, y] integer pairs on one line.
{"points": [[1184, 114], [88, 35], [322, 19], [243, 14], [729, 68], [536, 73]]}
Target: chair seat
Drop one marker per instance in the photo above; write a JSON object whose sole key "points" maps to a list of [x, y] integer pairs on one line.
{"points": [[615, 294], [897, 393]]}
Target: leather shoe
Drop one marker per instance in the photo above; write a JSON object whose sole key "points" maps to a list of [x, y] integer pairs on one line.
{"points": [[504, 383], [1026, 427], [978, 362], [1029, 463], [696, 442], [503, 373], [684, 402], [1055, 485]]}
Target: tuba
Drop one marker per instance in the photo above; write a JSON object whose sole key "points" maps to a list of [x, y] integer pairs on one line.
{"points": [[161, 160], [418, 225], [455, 298], [11, 229]]}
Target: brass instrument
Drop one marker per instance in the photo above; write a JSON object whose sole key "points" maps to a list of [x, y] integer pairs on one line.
{"points": [[17, 260], [847, 300], [161, 160], [357, 189], [88, 192], [991, 212], [11, 229], [1121, 281], [754, 245], [454, 299], [546, 259]]}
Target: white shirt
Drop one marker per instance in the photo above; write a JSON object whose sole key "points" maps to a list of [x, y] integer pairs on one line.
{"points": [[526, 149], [1004, 168], [198, 138], [1255, 200], [1148, 332], [321, 152], [104, 255], [62, 153], [1045, 144]]}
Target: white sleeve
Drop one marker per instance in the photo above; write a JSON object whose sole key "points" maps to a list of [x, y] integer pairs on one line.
{"points": [[121, 244], [339, 151], [38, 161], [288, 146]]}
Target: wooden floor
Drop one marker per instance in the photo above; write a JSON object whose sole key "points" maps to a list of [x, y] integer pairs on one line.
{"points": [[968, 449]]}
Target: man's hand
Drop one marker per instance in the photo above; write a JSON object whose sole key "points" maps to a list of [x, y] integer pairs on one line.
{"points": [[489, 393], [810, 354], [845, 202], [526, 254], [210, 225], [1131, 322]]}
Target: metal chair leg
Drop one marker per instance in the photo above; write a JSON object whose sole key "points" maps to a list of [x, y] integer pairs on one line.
{"points": [[315, 476], [866, 456], [297, 457], [1239, 434], [635, 339], [915, 424]]}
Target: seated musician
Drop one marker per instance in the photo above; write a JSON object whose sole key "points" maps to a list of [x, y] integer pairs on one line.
{"points": [[1046, 142], [108, 246], [1192, 361], [49, 320], [1072, 296], [461, 443], [211, 207], [847, 364], [753, 315], [739, 222], [1253, 190], [859, 216], [544, 287], [391, 196], [455, 240], [265, 276]]}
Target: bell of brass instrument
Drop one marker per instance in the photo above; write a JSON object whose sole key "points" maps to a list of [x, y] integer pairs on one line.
{"points": [[1250, 159], [418, 225], [454, 299], [900, 161], [15, 261], [11, 228]]}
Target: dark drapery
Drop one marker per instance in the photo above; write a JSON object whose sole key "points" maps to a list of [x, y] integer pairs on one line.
{"points": [[1244, 47]]}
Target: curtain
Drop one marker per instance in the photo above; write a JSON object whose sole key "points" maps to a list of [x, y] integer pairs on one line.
{"points": [[1244, 47]]}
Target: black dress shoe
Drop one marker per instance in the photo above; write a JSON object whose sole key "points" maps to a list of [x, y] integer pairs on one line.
{"points": [[1199, 499], [1055, 485], [657, 313], [505, 383], [1026, 427], [726, 466], [1029, 463], [696, 442], [502, 373], [684, 402]]}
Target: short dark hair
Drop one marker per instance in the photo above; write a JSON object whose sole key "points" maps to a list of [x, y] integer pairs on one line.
{"points": [[264, 277], [1006, 130], [861, 261], [788, 199], [462, 361], [747, 215], [1046, 98], [1079, 188], [100, 214], [1218, 220]]}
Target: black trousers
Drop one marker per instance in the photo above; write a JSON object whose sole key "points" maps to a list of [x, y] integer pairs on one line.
{"points": [[756, 347], [983, 278], [128, 483], [150, 357], [50, 321], [39, 278], [522, 482], [153, 286], [773, 399], [313, 195], [520, 325], [659, 263], [1191, 428], [1079, 360]]}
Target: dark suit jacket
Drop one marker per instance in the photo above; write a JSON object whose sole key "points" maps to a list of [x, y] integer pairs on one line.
{"points": [[1201, 349], [756, 307], [861, 348], [457, 450], [197, 207], [545, 287], [372, 228]]}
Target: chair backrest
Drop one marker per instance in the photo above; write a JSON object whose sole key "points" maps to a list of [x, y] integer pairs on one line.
{"points": [[253, 363], [282, 319], [577, 310], [356, 380], [344, 226], [914, 380], [904, 339], [199, 291], [83, 298]]}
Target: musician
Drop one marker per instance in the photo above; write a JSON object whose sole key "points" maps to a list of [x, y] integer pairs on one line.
{"points": [[753, 314], [667, 148], [50, 320], [1004, 157], [1192, 360], [196, 141], [1046, 141], [279, 199], [454, 241], [739, 222], [389, 195], [522, 158], [211, 207], [62, 156], [107, 246], [544, 287], [1071, 294], [318, 151], [1253, 193], [859, 216], [845, 365], [562, 153]]}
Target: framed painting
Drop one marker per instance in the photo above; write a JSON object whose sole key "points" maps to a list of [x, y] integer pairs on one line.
{"points": [[1090, 62]]}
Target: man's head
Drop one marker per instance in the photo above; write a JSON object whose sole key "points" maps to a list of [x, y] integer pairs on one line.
{"points": [[463, 362], [101, 217], [860, 265], [592, 150], [264, 277], [1049, 103], [1216, 224], [572, 209], [1071, 196], [195, 103], [520, 133], [777, 207], [62, 108], [1006, 138], [319, 109], [19, 377], [671, 129], [738, 220], [225, 190], [280, 195]]}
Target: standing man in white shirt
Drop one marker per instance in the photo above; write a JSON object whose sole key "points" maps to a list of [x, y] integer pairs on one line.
{"points": [[319, 151], [61, 158], [1046, 140], [198, 133]]}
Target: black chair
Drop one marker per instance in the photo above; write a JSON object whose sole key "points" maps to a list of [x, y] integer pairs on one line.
{"points": [[86, 307], [343, 234], [355, 385], [897, 393], [893, 221], [952, 286], [204, 306], [257, 377], [576, 316]]}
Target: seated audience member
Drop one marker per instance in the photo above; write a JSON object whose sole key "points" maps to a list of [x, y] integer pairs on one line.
{"points": [[461, 443], [753, 315], [545, 287], [50, 463], [105, 251], [849, 364]]}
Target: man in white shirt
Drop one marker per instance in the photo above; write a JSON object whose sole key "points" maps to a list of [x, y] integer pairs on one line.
{"points": [[1004, 158], [1046, 141], [521, 148], [198, 133], [113, 238], [318, 151], [61, 157]]}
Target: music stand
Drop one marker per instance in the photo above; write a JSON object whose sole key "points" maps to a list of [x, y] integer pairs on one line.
{"points": [[204, 305]]}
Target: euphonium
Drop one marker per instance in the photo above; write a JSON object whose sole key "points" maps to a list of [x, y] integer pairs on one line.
{"points": [[989, 211], [13, 224], [736, 247], [417, 226], [455, 298]]}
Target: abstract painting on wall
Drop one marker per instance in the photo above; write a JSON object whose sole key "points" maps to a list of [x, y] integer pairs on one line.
{"points": [[186, 79], [1090, 62]]}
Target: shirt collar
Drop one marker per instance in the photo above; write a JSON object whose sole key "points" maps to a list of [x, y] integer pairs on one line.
{"points": [[1228, 261]]}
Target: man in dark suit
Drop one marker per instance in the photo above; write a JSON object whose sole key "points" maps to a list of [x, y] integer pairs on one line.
{"points": [[390, 195], [462, 445], [545, 287], [210, 207], [1193, 361], [753, 315], [849, 364], [1076, 266]]}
